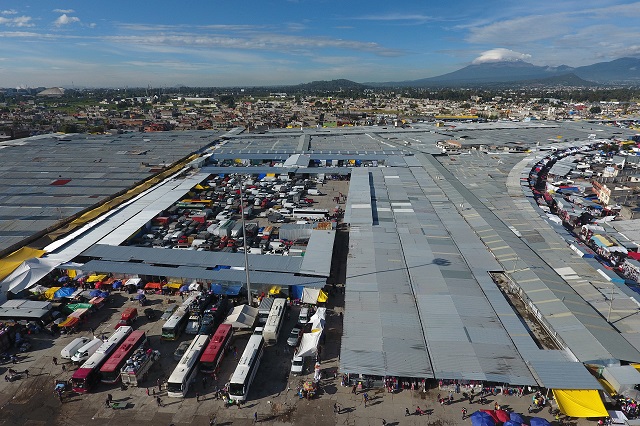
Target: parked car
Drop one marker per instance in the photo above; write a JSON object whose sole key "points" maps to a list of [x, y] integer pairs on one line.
{"points": [[180, 351], [294, 336], [297, 365], [168, 312]]}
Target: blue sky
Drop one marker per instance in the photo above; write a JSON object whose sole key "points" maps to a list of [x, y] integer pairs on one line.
{"points": [[263, 42]]}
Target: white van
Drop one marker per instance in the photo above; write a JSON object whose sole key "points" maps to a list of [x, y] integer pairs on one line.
{"points": [[68, 351], [303, 318], [86, 351]]}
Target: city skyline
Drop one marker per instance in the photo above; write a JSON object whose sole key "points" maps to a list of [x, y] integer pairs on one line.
{"points": [[119, 44]]}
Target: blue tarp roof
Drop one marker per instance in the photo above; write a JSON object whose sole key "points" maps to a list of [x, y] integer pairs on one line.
{"points": [[64, 292]]}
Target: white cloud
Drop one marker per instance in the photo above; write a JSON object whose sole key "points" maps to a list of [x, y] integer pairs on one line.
{"points": [[18, 21], [411, 17], [63, 10], [500, 54], [9, 12], [64, 19]]}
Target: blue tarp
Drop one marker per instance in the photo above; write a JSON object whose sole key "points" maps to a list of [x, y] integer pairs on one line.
{"points": [[184, 288], [103, 294], [511, 423], [233, 290], [95, 293], [480, 418], [516, 417], [219, 267], [64, 292], [116, 284], [296, 291], [539, 421], [262, 176]]}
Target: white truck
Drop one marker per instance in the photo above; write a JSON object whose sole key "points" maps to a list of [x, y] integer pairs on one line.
{"points": [[136, 368]]}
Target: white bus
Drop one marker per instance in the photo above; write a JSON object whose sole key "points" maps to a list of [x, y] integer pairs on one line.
{"points": [[309, 213], [246, 369], [274, 322], [174, 326], [187, 368]]}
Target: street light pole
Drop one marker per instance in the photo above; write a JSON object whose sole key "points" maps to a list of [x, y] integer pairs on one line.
{"points": [[244, 243]]}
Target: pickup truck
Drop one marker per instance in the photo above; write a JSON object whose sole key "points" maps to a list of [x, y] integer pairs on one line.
{"points": [[136, 368]]}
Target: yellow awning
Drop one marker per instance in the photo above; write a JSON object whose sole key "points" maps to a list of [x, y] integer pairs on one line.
{"points": [[322, 297], [9, 263], [275, 290], [72, 273], [49, 294], [174, 285], [96, 278], [607, 387], [580, 403]]}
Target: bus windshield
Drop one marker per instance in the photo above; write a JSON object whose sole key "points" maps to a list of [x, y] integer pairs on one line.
{"points": [[236, 389], [174, 387]]}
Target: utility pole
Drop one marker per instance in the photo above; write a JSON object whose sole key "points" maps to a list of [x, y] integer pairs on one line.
{"points": [[244, 242]]}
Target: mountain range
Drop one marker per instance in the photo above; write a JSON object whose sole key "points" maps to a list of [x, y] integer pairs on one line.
{"points": [[618, 71]]}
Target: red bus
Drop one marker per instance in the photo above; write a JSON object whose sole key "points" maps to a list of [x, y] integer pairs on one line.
{"points": [[110, 370], [214, 352], [86, 377]]}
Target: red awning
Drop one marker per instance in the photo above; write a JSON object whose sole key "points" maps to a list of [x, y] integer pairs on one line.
{"points": [[156, 286], [634, 255]]}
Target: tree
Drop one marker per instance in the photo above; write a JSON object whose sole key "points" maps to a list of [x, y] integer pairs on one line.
{"points": [[595, 110]]}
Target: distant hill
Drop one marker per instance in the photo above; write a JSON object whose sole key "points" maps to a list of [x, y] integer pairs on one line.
{"points": [[329, 86], [619, 71], [568, 80]]}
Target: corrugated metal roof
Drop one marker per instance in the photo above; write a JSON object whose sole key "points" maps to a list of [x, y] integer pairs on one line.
{"points": [[317, 258], [204, 259], [229, 276]]}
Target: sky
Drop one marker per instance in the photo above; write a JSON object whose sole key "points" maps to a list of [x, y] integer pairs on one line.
{"points": [[160, 43]]}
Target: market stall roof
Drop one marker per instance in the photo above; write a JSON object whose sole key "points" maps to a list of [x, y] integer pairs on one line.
{"points": [[28, 273], [243, 316], [222, 276]]}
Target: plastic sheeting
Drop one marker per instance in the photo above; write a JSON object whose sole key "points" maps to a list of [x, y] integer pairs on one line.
{"points": [[310, 295], [50, 294], [229, 290], [296, 291], [28, 273], [64, 292], [480, 418], [9, 263], [580, 403], [309, 343]]}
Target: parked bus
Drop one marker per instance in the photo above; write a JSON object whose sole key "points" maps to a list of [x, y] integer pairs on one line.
{"points": [[110, 370], [213, 354], [310, 213], [246, 370], [274, 322], [187, 368], [174, 326], [85, 377]]}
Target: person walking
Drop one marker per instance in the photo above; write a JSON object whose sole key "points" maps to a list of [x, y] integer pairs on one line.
{"points": [[255, 417], [354, 390], [159, 401], [335, 407], [55, 361], [147, 391], [464, 413], [159, 383], [365, 398], [406, 412], [197, 396], [26, 372], [64, 367]]}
